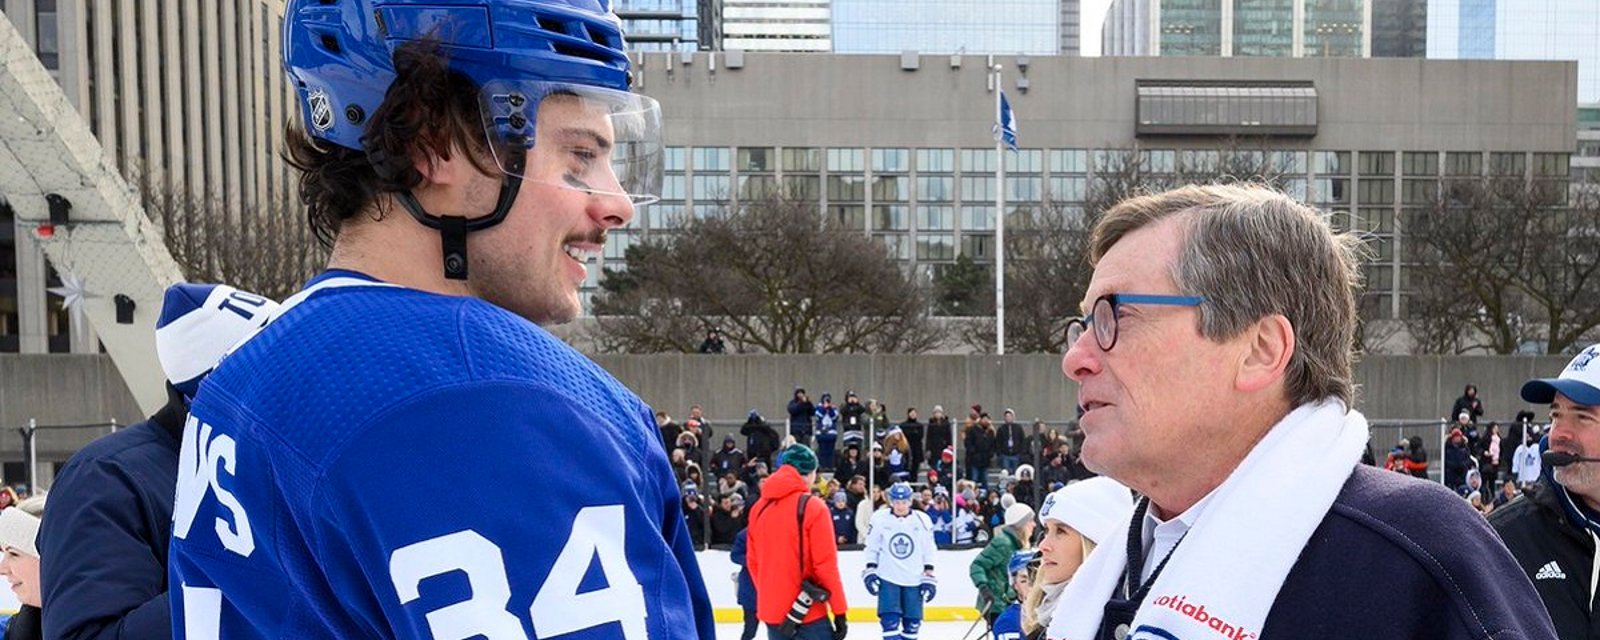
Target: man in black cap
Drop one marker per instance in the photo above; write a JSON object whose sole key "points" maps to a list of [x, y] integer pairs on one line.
{"points": [[1552, 528]]}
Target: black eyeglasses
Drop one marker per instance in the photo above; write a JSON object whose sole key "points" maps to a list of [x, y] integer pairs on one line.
{"points": [[1103, 315]]}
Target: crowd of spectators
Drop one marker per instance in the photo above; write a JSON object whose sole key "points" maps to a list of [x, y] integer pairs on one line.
{"points": [[861, 452], [1485, 464]]}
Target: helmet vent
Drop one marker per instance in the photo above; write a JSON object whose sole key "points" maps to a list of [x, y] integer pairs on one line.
{"points": [[331, 43]]}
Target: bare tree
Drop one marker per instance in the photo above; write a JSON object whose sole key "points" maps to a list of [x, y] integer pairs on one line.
{"points": [[1047, 266], [265, 248], [1503, 261], [775, 277]]}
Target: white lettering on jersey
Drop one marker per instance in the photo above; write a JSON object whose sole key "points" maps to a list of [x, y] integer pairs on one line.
{"points": [[198, 462], [557, 609]]}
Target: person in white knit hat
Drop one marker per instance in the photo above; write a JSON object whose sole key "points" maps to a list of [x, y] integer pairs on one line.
{"points": [[19, 565], [1075, 518]]}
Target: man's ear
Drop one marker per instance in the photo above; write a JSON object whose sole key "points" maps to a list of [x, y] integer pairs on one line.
{"points": [[1270, 344]]}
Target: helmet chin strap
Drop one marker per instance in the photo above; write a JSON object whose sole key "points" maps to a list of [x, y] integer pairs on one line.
{"points": [[453, 230]]}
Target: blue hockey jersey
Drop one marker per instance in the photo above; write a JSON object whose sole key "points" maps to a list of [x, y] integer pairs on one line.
{"points": [[381, 462]]}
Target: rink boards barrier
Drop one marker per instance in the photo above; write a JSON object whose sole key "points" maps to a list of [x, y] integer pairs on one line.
{"points": [[954, 601]]}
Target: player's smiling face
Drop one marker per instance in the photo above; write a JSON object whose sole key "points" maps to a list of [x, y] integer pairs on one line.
{"points": [[535, 261]]}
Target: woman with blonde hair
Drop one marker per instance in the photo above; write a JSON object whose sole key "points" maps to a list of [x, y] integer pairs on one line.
{"points": [[19, 565], [1075, 518]]}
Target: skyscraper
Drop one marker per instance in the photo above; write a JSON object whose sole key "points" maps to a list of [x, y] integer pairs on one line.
{"points": [[1265, 28], [1520, 30], [1030, 27], [663, 25]]}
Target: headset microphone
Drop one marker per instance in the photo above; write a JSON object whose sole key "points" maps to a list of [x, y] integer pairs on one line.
{"points": [[1562, 459]]}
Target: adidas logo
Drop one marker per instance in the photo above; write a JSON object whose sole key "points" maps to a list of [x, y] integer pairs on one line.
{"points": [[1550, 571]]}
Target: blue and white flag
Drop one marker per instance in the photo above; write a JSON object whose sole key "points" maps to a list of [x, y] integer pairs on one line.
{"points": [[1006, 127]]}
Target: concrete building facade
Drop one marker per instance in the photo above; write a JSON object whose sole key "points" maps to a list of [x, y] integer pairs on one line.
{"points": [[187, 98]]}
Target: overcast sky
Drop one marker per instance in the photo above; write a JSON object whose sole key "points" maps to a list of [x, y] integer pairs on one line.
{"points": [[1093, 12]]}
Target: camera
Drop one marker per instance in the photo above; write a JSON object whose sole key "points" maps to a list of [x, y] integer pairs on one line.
{"points": [[810, 594]]}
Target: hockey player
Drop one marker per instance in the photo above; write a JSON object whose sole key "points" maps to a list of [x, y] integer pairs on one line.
{"points": [[900, 564], [403, 451], [1021, 569]]}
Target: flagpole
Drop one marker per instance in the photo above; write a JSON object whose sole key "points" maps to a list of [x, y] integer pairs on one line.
{"points": [[1000, 219]]}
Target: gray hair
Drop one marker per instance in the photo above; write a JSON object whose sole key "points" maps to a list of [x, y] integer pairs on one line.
{"points": [[1254, 252]]}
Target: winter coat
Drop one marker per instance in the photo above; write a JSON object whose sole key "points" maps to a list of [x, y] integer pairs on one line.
{"points": [[827, 422], [855, 411], [761, 440], [914, 437], [1456, 457], [938, 437], [25, 625], [846, 469], [774, 554], [980, 446], [1472, 406], [1404, 559], [696, 520], [1556, 551], [725, 525], [989, 569], [800, 414], [739, 555], [1417, 460], [844, 524], [725, 460], [1011, 439], [105, 542]]}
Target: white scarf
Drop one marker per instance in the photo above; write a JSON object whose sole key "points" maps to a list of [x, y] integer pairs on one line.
{"points": [[1047, 604], [1222, 580]]}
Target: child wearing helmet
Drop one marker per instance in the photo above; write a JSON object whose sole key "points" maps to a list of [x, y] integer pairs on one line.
{"points": [[899, 571], [1021, 570]]}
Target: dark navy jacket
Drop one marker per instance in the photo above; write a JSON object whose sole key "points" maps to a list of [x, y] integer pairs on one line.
{"points": [[1399, 557], [103, 546], [747, 587]]}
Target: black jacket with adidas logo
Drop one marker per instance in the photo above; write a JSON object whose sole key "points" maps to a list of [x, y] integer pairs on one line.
{"points": [[1556, 554]]}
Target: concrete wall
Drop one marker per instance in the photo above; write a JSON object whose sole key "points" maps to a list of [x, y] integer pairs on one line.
{"points": [[864, 100], [58, 390]]}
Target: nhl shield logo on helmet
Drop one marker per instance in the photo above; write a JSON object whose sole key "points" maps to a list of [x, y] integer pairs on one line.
{"points": [[321, 110]]}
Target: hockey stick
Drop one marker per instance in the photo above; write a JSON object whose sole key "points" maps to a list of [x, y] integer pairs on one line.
{"points": [[983, 616]]}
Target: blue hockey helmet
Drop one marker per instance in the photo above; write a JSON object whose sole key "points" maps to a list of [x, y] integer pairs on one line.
{"points": [[899, 492], [339, 54], [1022, 560]]}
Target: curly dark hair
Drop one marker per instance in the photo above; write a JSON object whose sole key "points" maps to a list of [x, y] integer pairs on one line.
{"points": [[429, 111]]}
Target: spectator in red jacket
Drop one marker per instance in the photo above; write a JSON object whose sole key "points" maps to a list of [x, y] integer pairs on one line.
{"points": [[779, 562]]}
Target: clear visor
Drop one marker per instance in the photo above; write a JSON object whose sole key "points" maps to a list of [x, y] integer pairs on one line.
{"points": [[598, 141]]}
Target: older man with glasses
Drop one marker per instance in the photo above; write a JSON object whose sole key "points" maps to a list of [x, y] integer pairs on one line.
{"points": [[1218, 383]]}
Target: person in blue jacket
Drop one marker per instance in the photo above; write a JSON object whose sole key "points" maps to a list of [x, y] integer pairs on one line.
{"points": [[405, 451], [1008, 626], [104, 545], [747, 588]]}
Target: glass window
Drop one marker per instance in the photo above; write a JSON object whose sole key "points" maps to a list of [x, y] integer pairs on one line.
{"points": [[1378, 220], [1294, 187], [1287, 161], [977, 218], [941, 246], [977, 160], [897, 245], [756, 160], [1191, 28], [1458, 163], [1069, 161], [1508, 164], [673, 159], [674, 186], [847, 188], [1025, 161], [891, 160], [712, 187], [757, 187], [1376, 163], [1420, 163], [891, 188], [617, 243], [1550, 164], [802, 160], [1199, 160], [936, 160], [1375, 192], [1331, 191], [1419, 191], [935, 188], [1160, 160], [848, 216], [979, 247], [803, 187], [1068, 188], [1024, 189], [891, 217], [935, 218], [846, 160], [711, 159], [977, 188], [1331, 163]]}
